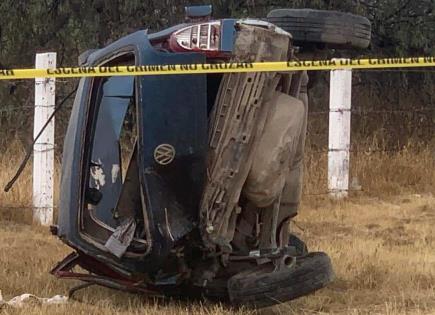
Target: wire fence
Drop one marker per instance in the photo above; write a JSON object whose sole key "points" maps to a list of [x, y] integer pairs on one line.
{"points": [[372, 111], [11, 109], [313, 150], [425, 120], [365, 124]]}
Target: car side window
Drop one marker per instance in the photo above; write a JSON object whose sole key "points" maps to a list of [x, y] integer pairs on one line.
{"points": [[112, 143]]}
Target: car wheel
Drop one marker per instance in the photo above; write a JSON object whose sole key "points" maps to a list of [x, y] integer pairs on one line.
{"points": [[336, 29], [262, 286]]}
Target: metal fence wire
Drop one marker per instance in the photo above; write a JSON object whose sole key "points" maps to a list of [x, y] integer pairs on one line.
{"points": [[10, 122], [396, 124]]}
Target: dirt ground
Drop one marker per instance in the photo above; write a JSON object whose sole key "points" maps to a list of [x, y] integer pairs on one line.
{"points": [[383, 253]]}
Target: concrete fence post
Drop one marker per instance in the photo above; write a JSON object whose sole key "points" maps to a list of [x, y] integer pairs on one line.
{"points": [[339, 132], [43, 154]]}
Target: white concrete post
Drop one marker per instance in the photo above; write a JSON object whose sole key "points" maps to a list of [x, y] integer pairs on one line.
{"points": [[43, 151], [339, 132]]}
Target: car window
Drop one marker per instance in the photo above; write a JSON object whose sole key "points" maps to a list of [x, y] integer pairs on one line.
{"points": [[113, 139]]}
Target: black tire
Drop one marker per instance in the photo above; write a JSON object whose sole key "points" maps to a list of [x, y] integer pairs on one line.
{"points": [[262, 287], [333, 28]]}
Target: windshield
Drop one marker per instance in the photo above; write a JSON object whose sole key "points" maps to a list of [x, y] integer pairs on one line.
{"points": [[115, 112]]}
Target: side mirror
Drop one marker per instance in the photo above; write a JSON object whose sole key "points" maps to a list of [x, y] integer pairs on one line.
{"points": [[198, 12]]}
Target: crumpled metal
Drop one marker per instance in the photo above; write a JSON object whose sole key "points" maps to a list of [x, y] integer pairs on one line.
{"points": [[119, 241]]}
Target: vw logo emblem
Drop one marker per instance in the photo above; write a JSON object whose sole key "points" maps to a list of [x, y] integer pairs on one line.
{"points": [[164, 154]]}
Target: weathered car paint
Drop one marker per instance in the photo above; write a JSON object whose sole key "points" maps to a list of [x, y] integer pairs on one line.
{"points": [[171, 110], [229, 34]]}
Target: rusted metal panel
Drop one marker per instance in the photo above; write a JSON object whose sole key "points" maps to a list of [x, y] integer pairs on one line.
{"points": [[238, 119]]}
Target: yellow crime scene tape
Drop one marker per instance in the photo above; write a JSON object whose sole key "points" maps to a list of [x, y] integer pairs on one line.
{"points": [[225, 67]]}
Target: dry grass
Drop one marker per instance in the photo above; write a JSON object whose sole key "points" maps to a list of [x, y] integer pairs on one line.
{"points": [[379, 173], [21, 194], [381, 241], [383, 253]]}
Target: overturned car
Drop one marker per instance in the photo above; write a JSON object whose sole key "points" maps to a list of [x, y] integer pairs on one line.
{"points": [[184, 185]]}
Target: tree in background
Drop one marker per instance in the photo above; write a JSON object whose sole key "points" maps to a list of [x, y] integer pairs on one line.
{"points": [[69, 27]]}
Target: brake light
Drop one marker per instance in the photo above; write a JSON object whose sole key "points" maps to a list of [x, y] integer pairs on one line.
{"points": [[204, 37]]}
